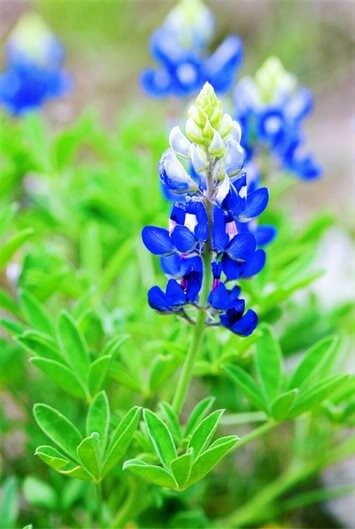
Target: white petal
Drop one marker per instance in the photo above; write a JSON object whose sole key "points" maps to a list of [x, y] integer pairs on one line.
{"points": [[222, 190], [233, 158], [179, 142], [199, 159], [216, 147]]}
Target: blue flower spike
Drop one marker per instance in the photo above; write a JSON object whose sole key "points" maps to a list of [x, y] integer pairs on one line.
{"points": [[34, 67], [210, 240], [271, 108], [181, 49]]}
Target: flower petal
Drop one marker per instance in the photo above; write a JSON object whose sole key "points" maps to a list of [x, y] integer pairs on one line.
{"points": [[247, 323], [254, 264], [219, 298], [183, 239], [256, 203], [157, 300], [241, 246], [157, 240]]}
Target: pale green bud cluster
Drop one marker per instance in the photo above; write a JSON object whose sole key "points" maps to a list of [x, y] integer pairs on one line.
{"points": [[208, 126], [272, 80], [31, 37]]}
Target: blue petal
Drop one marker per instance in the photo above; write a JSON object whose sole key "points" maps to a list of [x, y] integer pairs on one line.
{"points": [[157, 300], [254, 264], [264, 234], [218, 297], [191, 264], [194, 283], [157, 240], [241, 246], [183, 239], [173, 174], [171, 265], [219, 236], [156, 83], [256, 203], [174, 293], [222, 65], [247, 324], [201, 229], [232, 269], [236, 306]]}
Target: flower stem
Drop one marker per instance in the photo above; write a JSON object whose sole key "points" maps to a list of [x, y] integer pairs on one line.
{"points": [[99, 506], [200, 326], [187, 370]]}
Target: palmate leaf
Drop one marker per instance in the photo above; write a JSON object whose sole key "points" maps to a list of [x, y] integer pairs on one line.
{"points": [[314, 360], [35, 313], [172, 420], [268, 363], [209, 459], [160, 437], [88, 453], [40, 344], [247, 385], [198, 413], [98, 372], [98, 418], [181, 468], [152, 473], [281, 406], [58, 428], [121, 439], [62, 376], [313, 397], [10, 247], [204, 432], [73, 346]]}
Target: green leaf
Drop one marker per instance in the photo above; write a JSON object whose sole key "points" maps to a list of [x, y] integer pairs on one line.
{"points": [[52, 457], [121, 438], [160, 437], [98, 372], [7, 303], [58, 428], [172, 419], [316, 357], [198, 413], [7, 215], [61, 375], [315, 396], [76, 471], [246, 384], [268, 360], [98, 418], [74, 346], [10, 247], [162, 369], [181, 468], [89, 454], [204, 432], [9, 505], [283, 403], [35, 313], [209, 459], [39, 494], [153, 474], [40, 344]]}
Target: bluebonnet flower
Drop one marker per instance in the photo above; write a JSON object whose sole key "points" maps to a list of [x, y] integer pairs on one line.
{"points": [[207, 245], [180, 46], [271, 107], [33, 73]]}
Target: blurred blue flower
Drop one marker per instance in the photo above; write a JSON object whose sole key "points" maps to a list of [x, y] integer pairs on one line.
{"points": [[270, 108], [212, 214], [180, 47], [33, 73]]}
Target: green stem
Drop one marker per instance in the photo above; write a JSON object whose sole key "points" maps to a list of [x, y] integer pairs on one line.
{"points": [[99, 506], [258, 432], [132, 504], [232, 419], [187, 370]]}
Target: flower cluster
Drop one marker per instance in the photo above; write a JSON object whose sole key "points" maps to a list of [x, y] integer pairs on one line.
{"points": [[34, 72], [271, 107], [180, 46], [208, 244]]}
